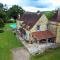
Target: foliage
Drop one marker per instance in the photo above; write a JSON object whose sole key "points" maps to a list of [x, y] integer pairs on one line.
{"points": [[14, 11], [49, 14], [1, 23], [1, 5], [6, 14], [2, 12]]}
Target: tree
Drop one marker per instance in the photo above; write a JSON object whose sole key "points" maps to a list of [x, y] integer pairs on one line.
{"points": [[2, 12], [14, 11], [38, 11], [6, 14], [1, 5], [49, 14], [1, 23]]}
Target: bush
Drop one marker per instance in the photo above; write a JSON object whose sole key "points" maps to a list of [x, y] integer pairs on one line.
{"points": [[1, 23]]}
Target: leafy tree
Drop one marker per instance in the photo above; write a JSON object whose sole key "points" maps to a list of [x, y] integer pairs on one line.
{"points": [[49, 14], [1, 5], [38, 11], [6, 14], [14, 11], [2, 12], [1, 23]]}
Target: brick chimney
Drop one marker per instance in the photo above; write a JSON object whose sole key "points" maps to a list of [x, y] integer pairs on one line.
{"points": [[55, 14]]}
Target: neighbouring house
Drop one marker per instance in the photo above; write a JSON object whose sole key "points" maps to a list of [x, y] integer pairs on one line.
{"points": [[34, 27], [54, 25]]}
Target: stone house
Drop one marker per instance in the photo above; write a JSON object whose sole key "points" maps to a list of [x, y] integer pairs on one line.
{"points": [[54, 25], [34, 26]]}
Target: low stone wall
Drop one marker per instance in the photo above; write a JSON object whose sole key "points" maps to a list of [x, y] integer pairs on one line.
{"points": [[37, 48]]}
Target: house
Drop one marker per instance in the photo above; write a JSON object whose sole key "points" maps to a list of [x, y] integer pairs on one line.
{"points": [[54, 25], [34, 26]]}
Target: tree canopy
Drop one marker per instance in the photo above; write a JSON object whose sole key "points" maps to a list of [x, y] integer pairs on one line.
{"points": [[14, 11], [49, 14], [1, 23], [2, 12], [1, 5]]}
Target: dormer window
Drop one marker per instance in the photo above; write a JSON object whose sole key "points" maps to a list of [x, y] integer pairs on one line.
{"points": [[38, 27]]}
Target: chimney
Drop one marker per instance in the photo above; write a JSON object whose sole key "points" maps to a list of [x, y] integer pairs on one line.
{"points": [[38, 12], [55, 14], [18, 16], [58, 17]]}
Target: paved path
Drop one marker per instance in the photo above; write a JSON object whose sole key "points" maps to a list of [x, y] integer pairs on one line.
{"points": [[20, 54]]}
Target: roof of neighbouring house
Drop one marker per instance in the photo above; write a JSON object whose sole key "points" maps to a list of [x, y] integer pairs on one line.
{"points": [[30, 19], [42, 35], [56, 17]]}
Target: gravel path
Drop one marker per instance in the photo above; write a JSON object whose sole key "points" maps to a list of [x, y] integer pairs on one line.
{"points": [[20, 54]]}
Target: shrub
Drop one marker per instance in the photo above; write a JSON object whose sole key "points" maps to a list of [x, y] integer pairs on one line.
{"points": [[1, 23]]}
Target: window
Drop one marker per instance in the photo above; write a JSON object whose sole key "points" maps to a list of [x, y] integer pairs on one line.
{"points": [[38, 27]]}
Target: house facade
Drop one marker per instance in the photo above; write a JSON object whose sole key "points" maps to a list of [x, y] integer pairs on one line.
{"points": [[34, 26], [54, 25], [41, 24]]}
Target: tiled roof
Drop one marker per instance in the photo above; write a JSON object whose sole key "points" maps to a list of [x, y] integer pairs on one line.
{"points": [[30, 19], [42, 35]]}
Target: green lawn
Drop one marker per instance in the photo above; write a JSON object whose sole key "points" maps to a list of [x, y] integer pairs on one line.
{"points": [[8, 41], [53, 54]]}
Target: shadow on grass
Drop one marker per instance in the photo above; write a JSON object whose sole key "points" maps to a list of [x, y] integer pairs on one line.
{"points": [[1, 31]]}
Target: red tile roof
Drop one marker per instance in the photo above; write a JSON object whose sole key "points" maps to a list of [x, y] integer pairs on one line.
{"points": [[42, 35]]}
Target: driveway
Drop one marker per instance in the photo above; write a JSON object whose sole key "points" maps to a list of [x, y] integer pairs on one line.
{"points": [[20, 54]]}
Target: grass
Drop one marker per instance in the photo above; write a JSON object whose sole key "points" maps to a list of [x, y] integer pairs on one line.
{"points": [[8, 25], [53, 54], [8, 41]]}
